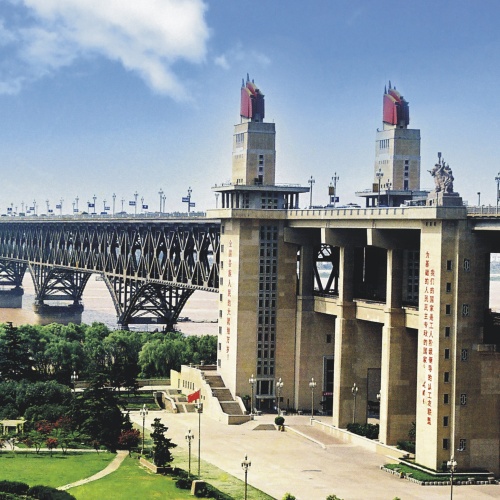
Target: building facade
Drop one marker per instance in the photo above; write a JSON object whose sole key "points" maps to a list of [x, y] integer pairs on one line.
{"points": [[383, 306]]}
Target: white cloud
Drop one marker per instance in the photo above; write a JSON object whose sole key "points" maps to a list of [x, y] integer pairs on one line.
{"points": [[237, 54], [222, 62], [145, 36]]}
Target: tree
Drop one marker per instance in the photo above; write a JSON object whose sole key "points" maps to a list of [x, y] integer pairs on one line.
{"points": [[96, 413], [129, 439], [51, 443], [15, 361], [161, 444]]}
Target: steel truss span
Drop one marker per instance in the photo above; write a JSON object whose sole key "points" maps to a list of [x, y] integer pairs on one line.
{"points": [[151, 268]]}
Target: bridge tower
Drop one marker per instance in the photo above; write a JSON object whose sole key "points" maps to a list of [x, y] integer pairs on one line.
{"points": [[257, 297], [397, 156]]}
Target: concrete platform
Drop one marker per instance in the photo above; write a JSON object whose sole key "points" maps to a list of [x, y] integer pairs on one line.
{"points": [[302, 460]]}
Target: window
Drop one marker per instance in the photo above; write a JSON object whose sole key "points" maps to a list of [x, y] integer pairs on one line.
{"points": [[448, 309], [446, 377], [463, 399], [446, 399], [328, 338], [446, 354], [447, 331], [465, 310], [464, 355], [462, 444], [449, 265], [446, 443], [466, 265], [448, 287], [220, 297], [445, 421]]}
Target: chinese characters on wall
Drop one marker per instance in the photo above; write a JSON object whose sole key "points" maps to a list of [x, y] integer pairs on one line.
{"points": [[428, 338], [228, 297]]}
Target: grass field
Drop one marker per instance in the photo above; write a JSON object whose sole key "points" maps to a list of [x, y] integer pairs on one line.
{"points": [[51, 471]]}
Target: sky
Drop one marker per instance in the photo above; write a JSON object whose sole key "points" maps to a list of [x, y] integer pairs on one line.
{"points": [[121, 96]]}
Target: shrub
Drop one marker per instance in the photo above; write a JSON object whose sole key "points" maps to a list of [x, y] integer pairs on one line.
{"points": [[41, 492], [368, 430], [14, 487], [408, 446], [183, 483], [333, 497], [208, 491], [279, 420], [288, 496]]}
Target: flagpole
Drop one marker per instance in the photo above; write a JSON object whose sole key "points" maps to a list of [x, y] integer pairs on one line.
{"points": [[199, 408]]}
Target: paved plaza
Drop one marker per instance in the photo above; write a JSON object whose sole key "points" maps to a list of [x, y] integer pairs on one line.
{"points": [[303, 460]]}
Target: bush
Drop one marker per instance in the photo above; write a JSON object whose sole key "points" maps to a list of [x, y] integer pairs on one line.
{"points": [[208, 491], [183, 483], [333, 497], [368, 430], [279, 420], [288, 496], [14, 487], [408, 446], [41, 492], [10, 496]]}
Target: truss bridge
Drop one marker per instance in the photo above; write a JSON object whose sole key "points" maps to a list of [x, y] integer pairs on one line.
{"points": [[151, 266]]}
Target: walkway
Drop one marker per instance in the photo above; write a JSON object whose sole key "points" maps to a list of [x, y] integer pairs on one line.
{"points": [[303, 461], [111, 467]]}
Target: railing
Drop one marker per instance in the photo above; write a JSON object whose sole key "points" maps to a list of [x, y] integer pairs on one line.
{"points": [[483, 210]]}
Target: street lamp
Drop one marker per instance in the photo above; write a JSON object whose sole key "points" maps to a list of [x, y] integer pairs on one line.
{"points": [[379, 175], [478, 198], [142, 204], [312, 386], [103, 205], [497, 179], [311, 182], [189, 438], [279, 386], [335, 178], [452, 465], [76, 199], [48, 206], [246, 464], [114, 200], [60, 206], [389, 185], [160, 192], [74, 378], [252, 381], [123, 201], [354, 390], [199, 409], [143, 412], [94, 198]]}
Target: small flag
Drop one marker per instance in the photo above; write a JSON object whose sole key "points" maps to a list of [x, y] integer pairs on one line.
{"points": [[32, 208], [91, 205], [107, 208], [58, 206], [192, 205], [144, 207], [193, 397], [9, 209], [51, 211], [75, 210], [131, 203], [185, 199]]}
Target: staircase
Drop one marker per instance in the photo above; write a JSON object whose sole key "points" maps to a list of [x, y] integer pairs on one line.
{"points": [[220, 392]]}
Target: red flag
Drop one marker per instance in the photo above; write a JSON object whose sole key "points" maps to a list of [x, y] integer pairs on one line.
{"points": [[194, 396]]}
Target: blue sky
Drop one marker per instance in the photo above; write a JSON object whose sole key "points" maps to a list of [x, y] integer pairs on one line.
{"points": [[123, 96]]}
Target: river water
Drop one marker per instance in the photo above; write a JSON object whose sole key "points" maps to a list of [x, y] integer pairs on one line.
{"points": [[201, 309]]}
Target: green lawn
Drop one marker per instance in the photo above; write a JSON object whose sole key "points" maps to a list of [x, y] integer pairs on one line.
{"points": [[51, 471], [130, 481]]}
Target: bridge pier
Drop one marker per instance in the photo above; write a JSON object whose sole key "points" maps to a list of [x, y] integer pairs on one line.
{"points": [[11, 280]]}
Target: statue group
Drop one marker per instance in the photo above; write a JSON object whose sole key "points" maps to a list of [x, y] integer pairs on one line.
{"points": [[443, 177]]}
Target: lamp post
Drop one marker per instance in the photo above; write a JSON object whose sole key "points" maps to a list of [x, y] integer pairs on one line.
{"points": [[160, 192], [73, 207], [452, 465], [354, 390], [389, 185], [279, 386], [246, 464], [217, 200], [136, 194], [335, 178], [60, 206], [114, 200], [199, 409], [123, 201], [76, 199], [252, 381], [189, 438], [311, 182], [497, 179], [34, 206], [48, 206], [143, 412], [478, 198], [312, 386], [103, 205], [379, 175], [142, 204], [74, 378], [94, 198]]}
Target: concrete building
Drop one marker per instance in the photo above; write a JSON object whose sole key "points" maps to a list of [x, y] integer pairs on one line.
{"points": [[373, 303]]}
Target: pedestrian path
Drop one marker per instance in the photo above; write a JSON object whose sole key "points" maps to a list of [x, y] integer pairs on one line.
{"points": [[111, 467]]}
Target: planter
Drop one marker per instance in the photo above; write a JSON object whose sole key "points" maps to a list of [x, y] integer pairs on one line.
{"points": [[152, 467]]}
